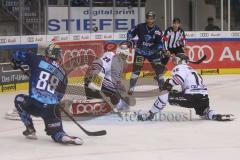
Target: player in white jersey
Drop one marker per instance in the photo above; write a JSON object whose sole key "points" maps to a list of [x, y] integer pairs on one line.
{"points": [[105, 75], [193, 95]]}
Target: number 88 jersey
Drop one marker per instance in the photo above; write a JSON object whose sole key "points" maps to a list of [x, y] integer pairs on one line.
{"points": [[48, 80], [190, 81]]}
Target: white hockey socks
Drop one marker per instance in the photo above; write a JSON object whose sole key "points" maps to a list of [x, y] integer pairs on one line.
{"points": [[160, 103]]}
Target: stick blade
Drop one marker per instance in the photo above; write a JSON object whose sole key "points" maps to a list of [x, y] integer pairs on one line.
{"points": [[97, 133]]}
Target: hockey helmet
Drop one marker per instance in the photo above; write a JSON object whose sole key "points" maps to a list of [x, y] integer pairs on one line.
{"points": [[180, 57], [123, 51], [150, 14], [53, 51]]}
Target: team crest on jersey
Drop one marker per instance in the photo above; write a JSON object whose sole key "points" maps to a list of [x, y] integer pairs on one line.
{"points": [[147, 37]]}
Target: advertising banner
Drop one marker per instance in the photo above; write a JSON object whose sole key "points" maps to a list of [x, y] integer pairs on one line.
{"points": [[220, 54], [9, 77], [59, 22]]}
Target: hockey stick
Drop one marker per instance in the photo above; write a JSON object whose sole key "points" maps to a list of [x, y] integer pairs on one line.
{"points": [[97, 133], [24, 72], [199, 61]]}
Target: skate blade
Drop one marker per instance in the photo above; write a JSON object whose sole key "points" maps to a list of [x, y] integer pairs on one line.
{"points": [[32, 137], [228, 117]]}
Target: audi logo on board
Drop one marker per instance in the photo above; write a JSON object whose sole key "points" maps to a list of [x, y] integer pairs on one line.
{"points": [[98, 36], [30, 39], [122, 36], [3, 40], [196, 52], [77, 37], [204, 34], [235, 34]]}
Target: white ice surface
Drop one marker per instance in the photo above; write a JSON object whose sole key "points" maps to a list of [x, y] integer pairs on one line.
{"points": [[163, 140]]}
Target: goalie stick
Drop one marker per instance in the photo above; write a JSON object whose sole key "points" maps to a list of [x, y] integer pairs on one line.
{"points": [[89, 133]]}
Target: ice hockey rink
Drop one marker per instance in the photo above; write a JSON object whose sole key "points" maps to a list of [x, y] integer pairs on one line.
{"points": [[157, 140]]}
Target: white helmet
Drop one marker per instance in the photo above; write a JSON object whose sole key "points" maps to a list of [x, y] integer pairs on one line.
{"points": [[123, 49]]}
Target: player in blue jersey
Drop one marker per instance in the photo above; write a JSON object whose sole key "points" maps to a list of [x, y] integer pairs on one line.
{"points": [[47, 85], [150, 47]]}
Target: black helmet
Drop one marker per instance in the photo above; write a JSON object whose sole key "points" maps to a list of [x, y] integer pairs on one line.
{"points": [[150, 14], [182, 56]]}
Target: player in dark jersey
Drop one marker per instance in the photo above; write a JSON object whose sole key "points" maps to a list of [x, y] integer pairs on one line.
{"points": [[149, 46], [47, 84]]}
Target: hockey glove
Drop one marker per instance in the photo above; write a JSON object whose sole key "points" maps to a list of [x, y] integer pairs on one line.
{"points": [[15, 64], [167, 86]]}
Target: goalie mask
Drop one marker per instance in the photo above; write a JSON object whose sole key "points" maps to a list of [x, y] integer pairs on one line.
{"points": [[180, 58], [53, 51], [123, 52]]}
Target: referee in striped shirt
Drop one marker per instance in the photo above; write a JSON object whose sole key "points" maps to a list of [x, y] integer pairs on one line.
{"points": [[174, 39]]}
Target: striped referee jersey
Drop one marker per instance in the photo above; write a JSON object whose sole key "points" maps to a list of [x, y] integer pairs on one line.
{"points": [[173, 39]]}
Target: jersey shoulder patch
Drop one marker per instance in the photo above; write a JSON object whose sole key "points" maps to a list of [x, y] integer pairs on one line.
{"points": [[175, 69]]}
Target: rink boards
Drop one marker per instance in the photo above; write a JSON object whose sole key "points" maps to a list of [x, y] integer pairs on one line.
{"points": [[222, 50]]}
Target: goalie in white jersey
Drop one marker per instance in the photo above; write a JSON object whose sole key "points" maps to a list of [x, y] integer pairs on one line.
{"points": [[193, 95], [104, 76]]}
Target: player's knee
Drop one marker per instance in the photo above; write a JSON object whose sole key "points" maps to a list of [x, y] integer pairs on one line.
{"points": [[20, 101], [20, 98], [202, 106]]}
